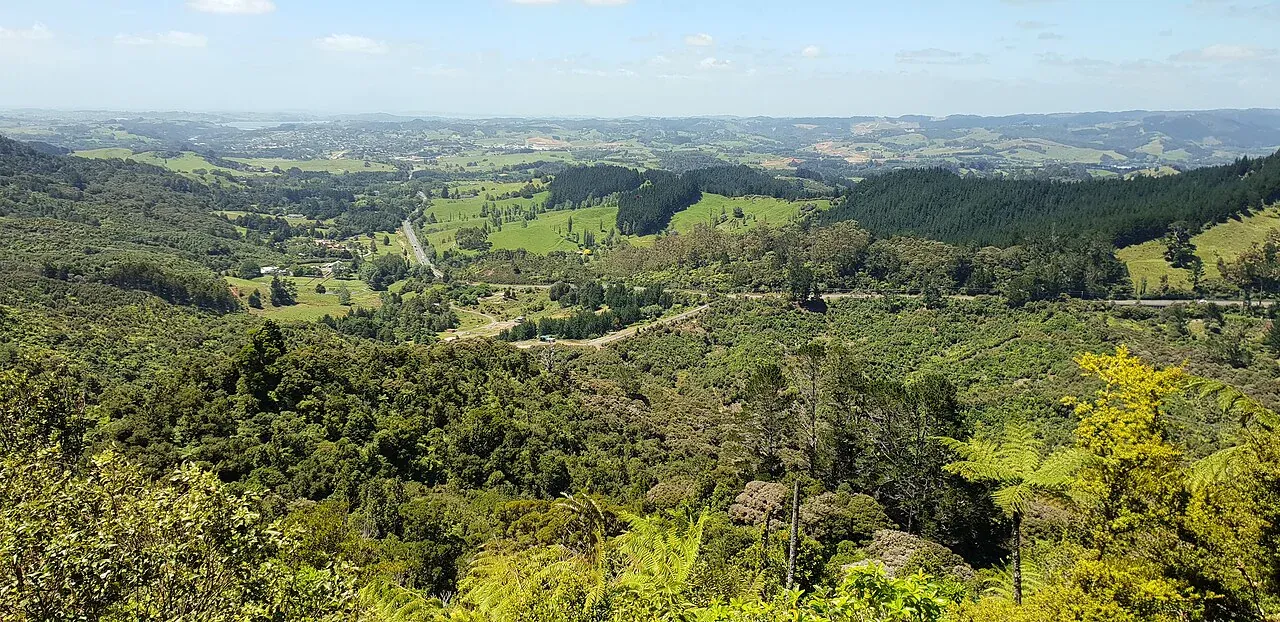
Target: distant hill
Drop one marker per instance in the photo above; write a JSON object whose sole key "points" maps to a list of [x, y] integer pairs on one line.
{"points": [[122, 223]]}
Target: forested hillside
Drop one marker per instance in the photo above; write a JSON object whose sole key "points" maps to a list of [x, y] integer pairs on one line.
{"points": [[580, 184], [956, 437], [649, 209], [941, 205], [126, 224]]}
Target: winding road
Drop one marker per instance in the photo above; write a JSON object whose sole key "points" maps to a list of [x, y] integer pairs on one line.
{"points": [[601, 342]]}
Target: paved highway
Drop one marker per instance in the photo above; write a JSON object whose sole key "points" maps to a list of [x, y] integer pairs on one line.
{"points": [[418, 250]]}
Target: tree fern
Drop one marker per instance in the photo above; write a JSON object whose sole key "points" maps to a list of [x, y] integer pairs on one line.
{"points": [[384, 601], [1227, 464], [1015, 462]]}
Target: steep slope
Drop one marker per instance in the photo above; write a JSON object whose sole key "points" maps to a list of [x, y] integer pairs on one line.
{"points": [[941, 205], [121, 223]]}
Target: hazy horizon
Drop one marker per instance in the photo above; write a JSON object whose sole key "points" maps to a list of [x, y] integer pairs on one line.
{"points": [[280, 115], [650, 58]]}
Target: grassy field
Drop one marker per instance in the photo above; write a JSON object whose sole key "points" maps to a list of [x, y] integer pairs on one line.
{"points": [[468, 208], [1225, 241], [399, 245], [311, 306], [756, 211], [188, 162], [550, 230], [340, 165], [454, 214]]}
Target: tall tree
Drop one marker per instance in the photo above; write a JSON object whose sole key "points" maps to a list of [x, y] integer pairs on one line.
{"points": [[769, 400], [810, 358], [1016, 463]]}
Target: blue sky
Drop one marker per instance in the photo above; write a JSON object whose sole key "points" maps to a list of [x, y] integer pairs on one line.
{"points": [[640, 57]]}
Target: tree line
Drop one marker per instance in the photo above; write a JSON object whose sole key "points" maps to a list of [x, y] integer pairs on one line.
{"points": [[941, 205]]}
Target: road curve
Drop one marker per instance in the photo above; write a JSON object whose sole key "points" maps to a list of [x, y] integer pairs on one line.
{"points": [[600, 342]]}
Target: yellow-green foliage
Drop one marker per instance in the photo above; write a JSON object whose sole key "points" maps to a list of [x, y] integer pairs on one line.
{"points": [[866, 594], [1015, 462], [1093, 590], [1130, 469]]}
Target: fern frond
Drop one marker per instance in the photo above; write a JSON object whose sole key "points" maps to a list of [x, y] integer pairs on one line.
{"points": [[387, 602], [1220, 466], [1234, 402], [1000, 584], [1014, 499], [1057, 470]]}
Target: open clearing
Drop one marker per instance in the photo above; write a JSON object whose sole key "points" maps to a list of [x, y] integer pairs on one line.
{"points": [[756, 211], [311, 306], [1225, 241], [550, 231]]}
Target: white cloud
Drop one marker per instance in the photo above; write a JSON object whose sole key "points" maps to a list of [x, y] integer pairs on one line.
{"points": [[700, 40], [175, 38], [712, 62], [535, 1], [659, 60], [37, 32], [352, 44], [232, 7], [1224, 53], [811, 51]]}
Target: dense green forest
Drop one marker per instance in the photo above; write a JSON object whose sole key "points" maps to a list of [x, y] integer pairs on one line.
{"points": [[579, 184], [806, 261], [943, 206], [973, 442]]}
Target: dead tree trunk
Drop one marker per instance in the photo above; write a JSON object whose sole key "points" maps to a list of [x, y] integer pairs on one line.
{"points": [[795, 533]]}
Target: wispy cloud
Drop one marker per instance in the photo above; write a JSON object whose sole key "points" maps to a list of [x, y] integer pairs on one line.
{"points": [[1252, 10], [232, 7], [700, 40], [811, 51], [712, 62], [440, 71], [352, 44], [1050, 36], [935, 56], [1034, 25], [1058, 60], [1224, 53], [175, 38], [37, 32]]}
